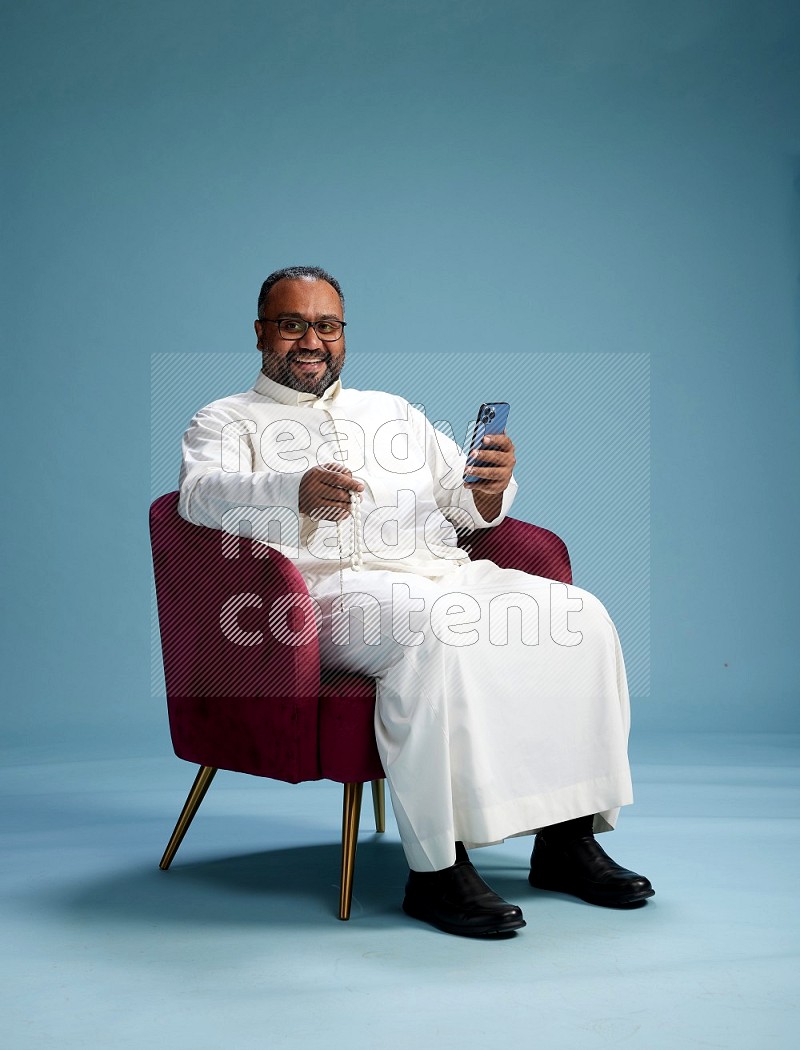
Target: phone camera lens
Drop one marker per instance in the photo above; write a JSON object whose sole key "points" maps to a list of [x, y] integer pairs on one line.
{"points": [[490, 413]]}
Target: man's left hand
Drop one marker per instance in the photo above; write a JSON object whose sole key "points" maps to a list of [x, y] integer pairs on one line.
{"points": [[494, 475], [498, 466]]}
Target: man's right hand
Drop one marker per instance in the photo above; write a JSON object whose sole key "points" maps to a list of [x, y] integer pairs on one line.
{"points": [[325, 492]]}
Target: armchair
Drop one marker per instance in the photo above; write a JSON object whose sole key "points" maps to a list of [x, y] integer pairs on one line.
{"points": [[262, 706]]}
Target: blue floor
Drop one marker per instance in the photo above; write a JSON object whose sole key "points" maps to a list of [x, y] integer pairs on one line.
{"points": [[238, 945]]}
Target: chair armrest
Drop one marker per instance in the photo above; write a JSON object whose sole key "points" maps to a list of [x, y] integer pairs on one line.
{"points": [[250, 707], [514, 544], [214, 614]]}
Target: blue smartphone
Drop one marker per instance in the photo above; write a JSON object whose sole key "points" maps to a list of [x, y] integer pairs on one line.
{"points": [[492, 419]]}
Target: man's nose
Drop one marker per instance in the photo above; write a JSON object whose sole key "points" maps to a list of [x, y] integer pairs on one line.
{"points": [[310, 340]]}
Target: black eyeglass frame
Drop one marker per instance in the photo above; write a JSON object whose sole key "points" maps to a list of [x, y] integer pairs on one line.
{"points": [[308, 324]]}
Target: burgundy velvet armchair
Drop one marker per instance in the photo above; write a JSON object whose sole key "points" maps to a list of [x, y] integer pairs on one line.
{"points": [[258, 705]]}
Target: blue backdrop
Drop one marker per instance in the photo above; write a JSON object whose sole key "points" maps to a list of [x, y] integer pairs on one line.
{"points": [[500, 187]]}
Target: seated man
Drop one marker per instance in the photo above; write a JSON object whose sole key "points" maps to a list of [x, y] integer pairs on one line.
{"points": [[496, 715]]}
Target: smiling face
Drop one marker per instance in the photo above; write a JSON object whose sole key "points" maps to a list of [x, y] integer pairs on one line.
{"points": [[306, 364]]}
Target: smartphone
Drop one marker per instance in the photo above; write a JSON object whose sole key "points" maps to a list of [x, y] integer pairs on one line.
{"points": [[492, 419]]}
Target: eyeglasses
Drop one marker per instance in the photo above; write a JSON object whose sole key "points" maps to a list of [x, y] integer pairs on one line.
{"points": [[295, 328]]}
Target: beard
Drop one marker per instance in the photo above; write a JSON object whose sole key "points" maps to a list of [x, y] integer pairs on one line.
{"points": [[278, 368]]}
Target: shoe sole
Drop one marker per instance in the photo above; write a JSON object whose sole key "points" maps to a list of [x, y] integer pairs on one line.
{"points": [[501, 929], [604, 902]]}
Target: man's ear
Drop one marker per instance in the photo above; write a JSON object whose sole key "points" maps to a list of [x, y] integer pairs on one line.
{"points": [[259, 327]]}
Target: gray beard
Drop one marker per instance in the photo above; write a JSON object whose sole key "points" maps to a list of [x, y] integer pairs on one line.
{"points": [[281, 372]]}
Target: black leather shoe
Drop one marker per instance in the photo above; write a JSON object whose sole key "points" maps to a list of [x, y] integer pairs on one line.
{"points": [[457, 900], [582, 867]]}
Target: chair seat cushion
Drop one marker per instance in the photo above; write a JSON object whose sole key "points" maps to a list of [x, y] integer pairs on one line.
{"points": [[347, 750], [264, 736]]}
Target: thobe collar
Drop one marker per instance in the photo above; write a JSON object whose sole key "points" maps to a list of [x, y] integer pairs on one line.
{"points": [[286, 396]]}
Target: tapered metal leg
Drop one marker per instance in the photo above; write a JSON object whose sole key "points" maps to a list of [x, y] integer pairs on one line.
{"points": [[351, 813], [202, 782], [379, 805]]}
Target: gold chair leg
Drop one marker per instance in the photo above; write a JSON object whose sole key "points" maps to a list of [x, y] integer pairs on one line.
{"points": [[351, 813], [379, 805], [202, 783]]}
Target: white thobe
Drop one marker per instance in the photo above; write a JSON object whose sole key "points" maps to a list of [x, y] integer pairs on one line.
{"points": [[502, 703]]}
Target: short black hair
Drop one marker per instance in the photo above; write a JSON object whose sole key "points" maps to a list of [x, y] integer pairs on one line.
{"points": [[297, 273]]}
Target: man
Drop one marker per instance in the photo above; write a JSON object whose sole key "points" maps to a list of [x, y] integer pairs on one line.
{"points": [[484, 731]]}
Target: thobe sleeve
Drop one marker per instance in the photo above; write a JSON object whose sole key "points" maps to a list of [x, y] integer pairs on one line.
{"points": [[447, 461], [218, 476]]}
